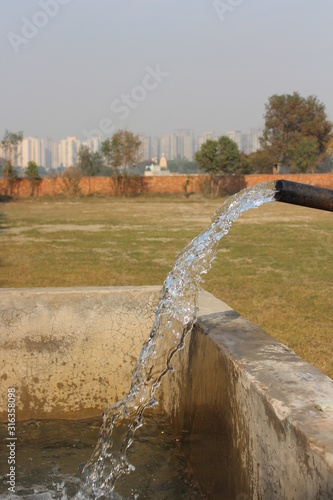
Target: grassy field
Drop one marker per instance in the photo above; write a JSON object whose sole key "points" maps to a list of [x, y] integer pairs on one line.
{"points": [[275, 267]]}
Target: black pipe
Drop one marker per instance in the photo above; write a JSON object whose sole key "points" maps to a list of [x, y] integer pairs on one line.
{"points": [[304, 195]]}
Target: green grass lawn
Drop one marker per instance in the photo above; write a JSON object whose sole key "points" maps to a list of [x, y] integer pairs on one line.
{"points": [[275, 267]]}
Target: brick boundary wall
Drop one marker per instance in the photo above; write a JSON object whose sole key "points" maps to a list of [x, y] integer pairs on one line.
{"points": [[157, 185]]}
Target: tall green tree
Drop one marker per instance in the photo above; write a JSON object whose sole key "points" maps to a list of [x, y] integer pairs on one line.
{"points": [[228, 156], [206, 157], [121, 152], [297, 130], [33, 175], [219, 158], [10, 145]]}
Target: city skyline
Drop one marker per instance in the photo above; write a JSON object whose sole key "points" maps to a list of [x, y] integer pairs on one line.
{"points": [[71, 67], [180, 144]]}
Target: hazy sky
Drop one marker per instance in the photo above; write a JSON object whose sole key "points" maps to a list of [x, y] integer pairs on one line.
{"points": [[154, 66]]}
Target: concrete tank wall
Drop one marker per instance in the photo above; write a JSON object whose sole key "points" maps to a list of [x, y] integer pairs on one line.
{"points": [[256, 420], [70, 352]]}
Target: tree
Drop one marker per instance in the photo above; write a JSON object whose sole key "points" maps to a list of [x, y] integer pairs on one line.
{"points": [[89, 164], [71, 181], [326, 160], [10, 146], [329, 148], [206, 157], [219, 158], [305, 154], [244, 165], [261, 161], [296, 130], [33, 175], [121, 152], [228, 156]]}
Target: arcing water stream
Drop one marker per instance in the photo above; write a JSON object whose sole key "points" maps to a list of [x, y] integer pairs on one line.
{"points": [[174, 318]]}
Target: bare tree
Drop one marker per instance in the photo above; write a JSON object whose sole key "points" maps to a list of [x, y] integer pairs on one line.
{"points": [[121, 152], [10, 144]]}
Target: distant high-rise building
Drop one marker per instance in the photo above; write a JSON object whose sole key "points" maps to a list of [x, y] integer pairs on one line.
{"points": [[49, 153], [237, 137], [169, 146], [188, 147], [254, 139], [93, 143], [205, 136], [44, 152], [246, 145], [145, 149], [68, 151], [155, 147], [31, 150], [185, 144]]}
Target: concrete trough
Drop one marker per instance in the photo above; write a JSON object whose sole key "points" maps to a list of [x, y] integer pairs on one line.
{"points": [[256, 420]]}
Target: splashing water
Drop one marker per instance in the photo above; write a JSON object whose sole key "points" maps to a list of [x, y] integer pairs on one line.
{"points": [[174, 318]]}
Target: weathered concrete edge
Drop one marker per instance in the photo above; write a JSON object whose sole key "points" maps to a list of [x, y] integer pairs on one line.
{"points": [[296, 390], [281, 442], [76, 289], [208, 303]]}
